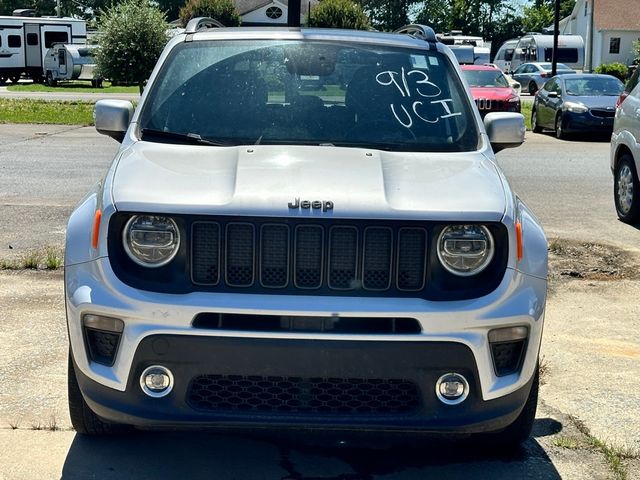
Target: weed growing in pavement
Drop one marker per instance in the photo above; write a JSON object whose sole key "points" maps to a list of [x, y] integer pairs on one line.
{"points": [[10, 265], [37, 426], [567, 442], [14, 424], [614, 456], [543, 370], [31, 260], [54, 258], [52, 424]]}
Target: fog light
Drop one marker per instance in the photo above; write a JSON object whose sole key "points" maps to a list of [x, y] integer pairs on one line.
{"points": [[452, 388], [156, 381]]}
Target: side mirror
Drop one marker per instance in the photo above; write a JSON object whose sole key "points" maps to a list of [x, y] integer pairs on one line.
{"points": [[505, 130], [552, 94], [112, 117]]}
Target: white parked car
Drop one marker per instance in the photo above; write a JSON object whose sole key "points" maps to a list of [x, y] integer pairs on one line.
{"points": [[625, 153], [346, 257]]}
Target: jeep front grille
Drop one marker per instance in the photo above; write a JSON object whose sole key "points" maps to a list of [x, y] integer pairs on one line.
{"points": [[308, 256]]}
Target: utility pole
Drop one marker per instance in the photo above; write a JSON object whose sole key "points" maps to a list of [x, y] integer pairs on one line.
{"points": [[556, 32], [293, 13]]}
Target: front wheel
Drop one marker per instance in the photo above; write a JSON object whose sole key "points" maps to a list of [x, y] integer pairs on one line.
{"points": [[83, 419], [626, 191], [533, 88], [534, 122], [560, 133], [50, 80]]}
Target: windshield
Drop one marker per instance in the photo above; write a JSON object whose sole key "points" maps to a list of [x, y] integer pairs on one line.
{"points": [[594, 87], [549, 66], [309, 93], [485, 78]]}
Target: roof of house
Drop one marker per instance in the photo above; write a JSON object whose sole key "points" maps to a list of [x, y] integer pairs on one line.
{"points": [[246, 6], [616, 15]]}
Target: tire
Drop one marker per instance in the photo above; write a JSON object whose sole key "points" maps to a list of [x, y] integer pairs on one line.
{"points": [[50, 80], [560, 133], [535, 128], [533, 88], [626, 190], [519, 431], [83, 419]]}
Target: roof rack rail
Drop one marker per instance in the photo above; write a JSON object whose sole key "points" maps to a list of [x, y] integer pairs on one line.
{"points": [[421, 32], [201, 23]]}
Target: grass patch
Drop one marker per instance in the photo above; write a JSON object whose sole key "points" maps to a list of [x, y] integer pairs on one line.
{"points": [[543, 370], [71, 87], [49, 258], [526, 111], [44, 111]]}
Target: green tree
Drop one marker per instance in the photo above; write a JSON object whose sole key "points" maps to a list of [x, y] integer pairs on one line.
{"points": [[338, 14], [134, 34], [537, 18], [222, 10], [388, 14]]}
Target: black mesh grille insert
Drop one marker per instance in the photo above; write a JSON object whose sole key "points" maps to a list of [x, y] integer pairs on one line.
{"points": [[240, 254], [102, 345], [309, 256], [294, 395], [206, 253], [507, 357], [343, 257], [377, 258], [293, 255], [412, 247], [274, 256]]}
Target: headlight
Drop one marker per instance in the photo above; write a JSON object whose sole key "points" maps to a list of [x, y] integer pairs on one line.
{"points": [[576, 107], [465, 250], [513, 99], [151, 240]]}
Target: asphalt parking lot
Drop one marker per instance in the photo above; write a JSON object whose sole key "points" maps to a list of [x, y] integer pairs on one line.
{"points": [[591, 349]]}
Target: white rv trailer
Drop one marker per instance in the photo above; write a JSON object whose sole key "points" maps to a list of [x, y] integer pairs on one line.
{"points": [[539, 48], [24, 42]]}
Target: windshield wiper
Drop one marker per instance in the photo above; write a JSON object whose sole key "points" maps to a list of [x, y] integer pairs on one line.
{"points": [[189, 138]]}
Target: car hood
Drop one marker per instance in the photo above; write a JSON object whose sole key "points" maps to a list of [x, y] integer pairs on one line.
{"points": [[493, 93], [263, 180], [594, 102]]}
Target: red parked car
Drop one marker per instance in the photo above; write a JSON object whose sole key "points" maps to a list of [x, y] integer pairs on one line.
{"points": [[490, 89]]}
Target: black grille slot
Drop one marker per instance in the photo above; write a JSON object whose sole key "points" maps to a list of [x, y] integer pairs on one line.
{"points": [[603, 113], [309, 253], [240, 254], [412, 258], [289, 323], [507, 357], [295, 395], [206, 253], [274, 256], [343, 257], [102, 345], [378, 245]]}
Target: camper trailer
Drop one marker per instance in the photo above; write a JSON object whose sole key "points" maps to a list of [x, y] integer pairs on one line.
{"points": [[24, 42], [539, 48], [71, 62], [504, 55]]}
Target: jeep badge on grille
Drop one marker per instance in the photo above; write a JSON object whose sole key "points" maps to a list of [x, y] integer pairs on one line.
{"points": [[325, 205]]}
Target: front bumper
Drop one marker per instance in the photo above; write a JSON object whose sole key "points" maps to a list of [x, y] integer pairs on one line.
{"points": [[303, 364], [586, 122], [454, 338]]}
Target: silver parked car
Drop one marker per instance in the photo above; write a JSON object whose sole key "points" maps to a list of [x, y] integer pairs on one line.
{"points": [[533, 76], [344, 256], [625, 154]]}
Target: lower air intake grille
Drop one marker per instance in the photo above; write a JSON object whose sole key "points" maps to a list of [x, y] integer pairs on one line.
{"points": [[295, 395], [102, 345]]}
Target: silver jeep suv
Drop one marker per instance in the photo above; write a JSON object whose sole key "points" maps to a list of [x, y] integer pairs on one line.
{"points": [[305, 228]]}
